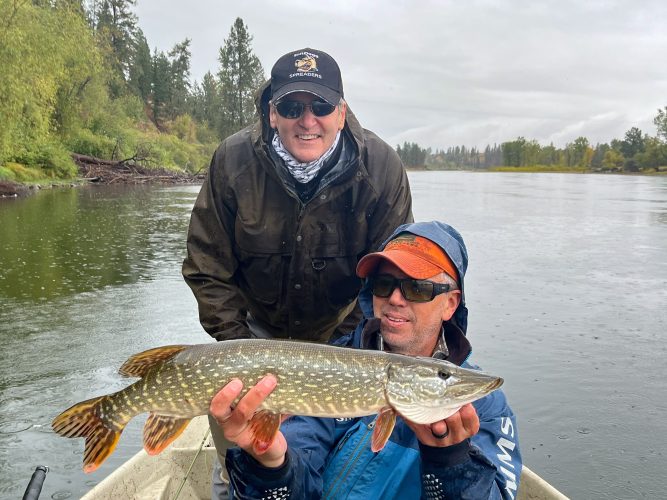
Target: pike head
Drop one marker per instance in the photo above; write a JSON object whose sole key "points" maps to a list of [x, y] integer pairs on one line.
{"points": [[433, 389]]}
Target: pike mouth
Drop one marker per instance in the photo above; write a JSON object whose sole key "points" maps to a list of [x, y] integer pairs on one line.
{"points": [[478, 385], [496, 383], [491, 386]]}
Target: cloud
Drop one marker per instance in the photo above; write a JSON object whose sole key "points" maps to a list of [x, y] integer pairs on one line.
{"points": [[443, 73]]}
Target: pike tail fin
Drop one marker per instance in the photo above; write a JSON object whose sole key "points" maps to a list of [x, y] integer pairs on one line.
{"points": [[83, 420], [161, 430]]}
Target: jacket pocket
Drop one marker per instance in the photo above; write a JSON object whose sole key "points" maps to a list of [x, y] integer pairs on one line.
{"points": [[261, 266], [337, 278]]}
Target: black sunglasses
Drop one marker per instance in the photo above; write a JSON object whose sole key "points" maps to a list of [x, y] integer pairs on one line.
{"points": [[383, 285], [295, 109]]}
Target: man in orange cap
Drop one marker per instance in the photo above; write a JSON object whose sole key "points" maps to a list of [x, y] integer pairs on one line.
{"points": [[414, 303]]}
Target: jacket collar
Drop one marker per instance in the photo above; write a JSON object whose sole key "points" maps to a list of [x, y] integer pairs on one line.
{"points": [[455, 341]]}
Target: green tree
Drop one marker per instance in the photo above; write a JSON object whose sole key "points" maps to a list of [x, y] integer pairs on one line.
{"points": [[211, 99], [161, 89], [531, 153], [598, 155], [205, 101], [654, 154], [240, 75], [549, 155], [513, 153], [140, 70], [633, 143], [116, 27], [613, 160], [660, 122], [170, 84], [412, 155], [179, 59], [579, 153]]}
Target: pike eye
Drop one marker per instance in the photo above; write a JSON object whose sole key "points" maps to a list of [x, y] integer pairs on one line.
{"points": [[443, 375]]}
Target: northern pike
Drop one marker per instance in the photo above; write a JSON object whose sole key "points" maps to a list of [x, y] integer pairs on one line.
{"points": [[178, 382]]}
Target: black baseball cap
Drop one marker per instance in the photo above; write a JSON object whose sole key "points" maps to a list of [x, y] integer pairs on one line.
{"points": [[307, 70]]}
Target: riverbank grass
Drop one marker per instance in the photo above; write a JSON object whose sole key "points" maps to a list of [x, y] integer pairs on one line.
{"points": [[541, 168], [578, 170], [15, 172]]}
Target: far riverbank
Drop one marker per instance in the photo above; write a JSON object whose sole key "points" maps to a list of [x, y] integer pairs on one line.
{"points": [[547, 169], [93, 170], [97, 171]]}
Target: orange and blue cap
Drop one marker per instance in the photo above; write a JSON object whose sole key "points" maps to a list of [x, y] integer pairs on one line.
{"points": [[416, 256]]}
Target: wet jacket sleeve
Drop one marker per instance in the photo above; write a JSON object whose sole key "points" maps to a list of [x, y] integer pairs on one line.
{"points": [[210, 263], [394, 206], [310, 441], [486, 467]]}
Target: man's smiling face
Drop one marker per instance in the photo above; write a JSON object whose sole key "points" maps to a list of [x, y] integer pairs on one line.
{"points": [[307, 137], [412, 328]]}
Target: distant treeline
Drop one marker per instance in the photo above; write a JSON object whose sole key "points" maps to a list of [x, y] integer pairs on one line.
{"points": [[635, 152], [78, 76]]}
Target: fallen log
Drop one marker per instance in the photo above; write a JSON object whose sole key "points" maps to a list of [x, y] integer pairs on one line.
{"points": [[127, 171], [78, 158]]}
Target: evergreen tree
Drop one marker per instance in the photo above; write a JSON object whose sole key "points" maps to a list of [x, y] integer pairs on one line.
{"points": [[240, 75], [161, 89], [660, 122], [513, 152], [180, 78], [412, 155], [212, 105], [579, 150], [116, 27], [633, 143], [141, 69]]}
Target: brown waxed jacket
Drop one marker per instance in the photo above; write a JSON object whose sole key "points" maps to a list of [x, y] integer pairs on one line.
{"points": [[255, 248]]}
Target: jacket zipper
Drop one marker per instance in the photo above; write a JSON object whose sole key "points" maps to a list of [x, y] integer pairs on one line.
{"points": [[356, 453]]}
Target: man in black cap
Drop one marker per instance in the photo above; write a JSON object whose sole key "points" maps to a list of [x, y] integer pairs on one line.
{"points": [[290, 205]]}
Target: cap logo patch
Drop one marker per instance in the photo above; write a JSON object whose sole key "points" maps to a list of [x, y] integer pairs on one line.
{"points": [[306, 64], [404, 239]]}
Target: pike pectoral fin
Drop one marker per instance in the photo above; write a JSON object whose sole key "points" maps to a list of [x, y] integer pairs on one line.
{"points": [[139, 364], [422, 415], [384, 425], [264, 425], [161, 430]]}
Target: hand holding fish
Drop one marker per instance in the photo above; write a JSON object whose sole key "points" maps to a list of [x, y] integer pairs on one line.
{"points": [[236, 422], [454, 429]]}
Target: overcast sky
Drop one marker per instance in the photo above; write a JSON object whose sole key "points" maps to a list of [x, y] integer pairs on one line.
{"points": [[442, 73]]}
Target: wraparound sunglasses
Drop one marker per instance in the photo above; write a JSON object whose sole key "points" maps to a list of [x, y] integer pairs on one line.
{"points": [[383, 285], [295, 109]]}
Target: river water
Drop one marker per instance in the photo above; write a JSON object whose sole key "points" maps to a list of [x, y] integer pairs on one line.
{"points": [[567, 291]]}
